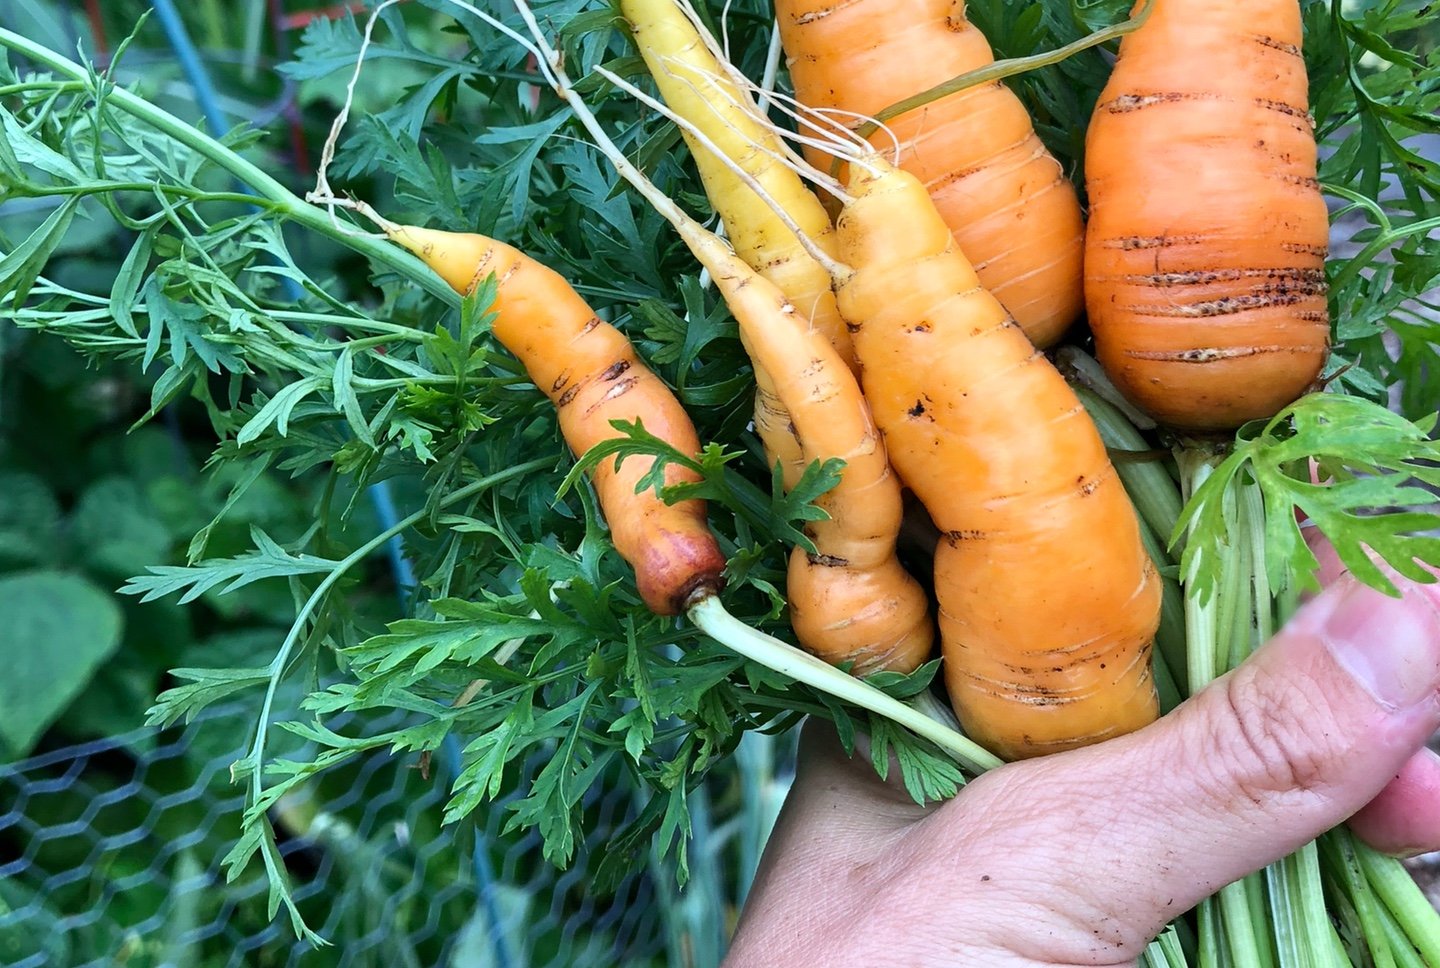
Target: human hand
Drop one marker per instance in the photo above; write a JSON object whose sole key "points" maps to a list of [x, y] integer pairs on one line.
{"points": [[1081, 858]]}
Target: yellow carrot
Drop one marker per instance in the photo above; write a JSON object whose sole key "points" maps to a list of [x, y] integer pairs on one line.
{"points": [[694, 85]]}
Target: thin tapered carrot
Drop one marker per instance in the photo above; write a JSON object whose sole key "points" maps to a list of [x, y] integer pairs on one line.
{"points": [[1048, 600], [694, 85], [591, 373], [1205, 260], [1009, 204], [850, 599], [690, 79]]}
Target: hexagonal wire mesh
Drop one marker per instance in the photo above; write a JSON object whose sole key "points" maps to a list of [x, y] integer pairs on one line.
{"points": [[110, 853]]}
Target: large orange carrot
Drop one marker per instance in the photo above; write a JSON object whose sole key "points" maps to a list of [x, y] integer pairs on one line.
{"points": [[1205, 260], [1048, 601], [590, 372], [1009, 204]]}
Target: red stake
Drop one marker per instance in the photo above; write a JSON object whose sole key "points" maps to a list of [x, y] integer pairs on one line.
{"points": [[97, 28], [290, 110]]}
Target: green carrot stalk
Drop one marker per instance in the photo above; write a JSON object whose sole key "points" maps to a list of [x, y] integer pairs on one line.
{"points": [[1347, 877], [1404, 900]]}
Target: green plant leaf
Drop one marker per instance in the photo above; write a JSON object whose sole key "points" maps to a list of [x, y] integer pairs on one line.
{"points": [[1370, 464], [116, 530], [20, 267], [29, 519], [58, 628]]}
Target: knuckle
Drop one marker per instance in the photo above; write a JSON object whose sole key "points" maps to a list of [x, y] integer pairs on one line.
{"points": [[1274, 736]]}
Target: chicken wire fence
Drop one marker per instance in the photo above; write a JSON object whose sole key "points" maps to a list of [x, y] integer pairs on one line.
{"points": [[110, 853]]}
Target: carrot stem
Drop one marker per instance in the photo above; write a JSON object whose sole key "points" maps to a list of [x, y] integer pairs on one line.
{"points": [[1165, 952], [1200, 616], [1211, 954], [1317, 934], [1157, 500], [1338, 852], [1167, 686], [1083, 369], [1286, 921], [1238, 603], [1149, 484], [1229, 612], [1255, 897], [1240, 936], [1397, 889], [710, 616], [1405, 956], [1252, 507]]}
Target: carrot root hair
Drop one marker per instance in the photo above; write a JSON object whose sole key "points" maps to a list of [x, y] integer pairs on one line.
{"points": [[811, 249]]}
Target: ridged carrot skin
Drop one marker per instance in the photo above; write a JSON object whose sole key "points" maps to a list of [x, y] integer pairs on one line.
{"points": [[1205, 258], [850, 600], [1048, 601], [773, 426], [693, 85], [590, 372], [1009, 204]]}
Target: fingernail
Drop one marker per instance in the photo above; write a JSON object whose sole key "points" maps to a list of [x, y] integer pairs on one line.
{"points": [[1410, 853], [1391, 646]]}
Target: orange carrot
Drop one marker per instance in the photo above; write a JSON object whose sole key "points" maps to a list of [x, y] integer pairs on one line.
{"points": [[1012, 210], [590, 372], [850, 600], [1205, 261], [1048, 601]]}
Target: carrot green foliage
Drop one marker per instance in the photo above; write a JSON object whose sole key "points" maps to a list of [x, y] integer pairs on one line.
{"points": [[1367, 459], [380, 373]]}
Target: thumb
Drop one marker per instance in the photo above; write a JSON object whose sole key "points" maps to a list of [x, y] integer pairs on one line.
{"points": [[1299, 737]]}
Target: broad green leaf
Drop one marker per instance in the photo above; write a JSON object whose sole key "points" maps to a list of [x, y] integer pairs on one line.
{"points": [[29, 519], [1369, 461], [116, 531], [58, 628]]}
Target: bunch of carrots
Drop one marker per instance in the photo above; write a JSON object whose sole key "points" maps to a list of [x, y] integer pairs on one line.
{"points": [[906, 336], [896, 287]]}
